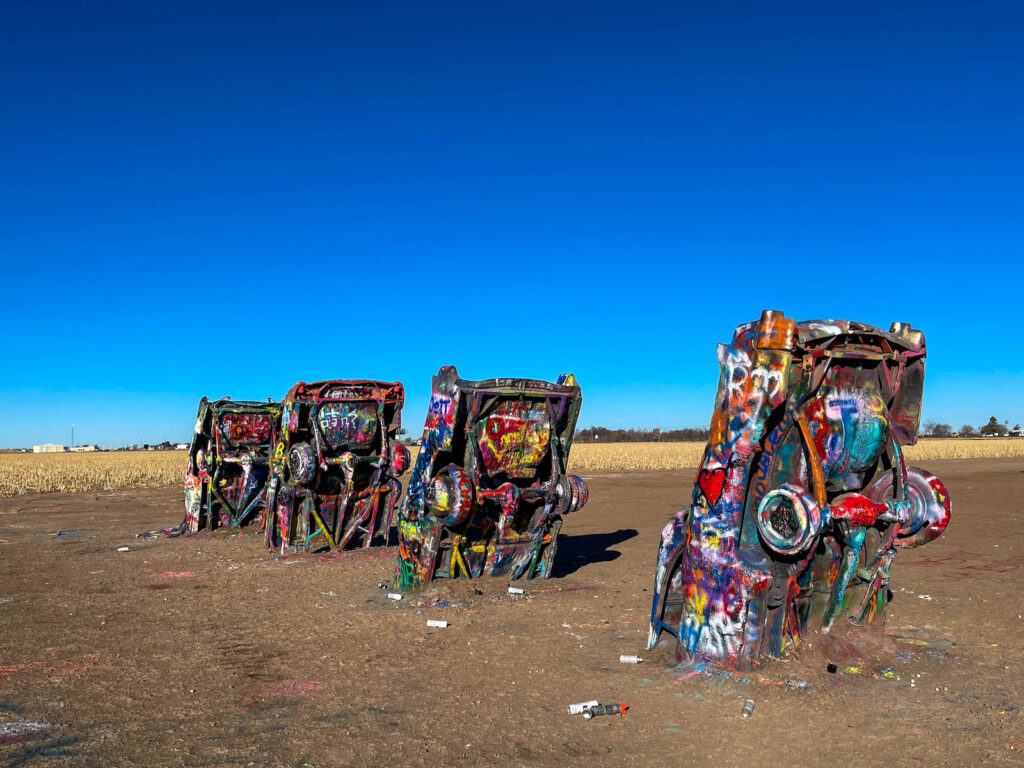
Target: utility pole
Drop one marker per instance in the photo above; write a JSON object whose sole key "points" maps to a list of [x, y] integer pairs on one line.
{"points": [[72, 435]]}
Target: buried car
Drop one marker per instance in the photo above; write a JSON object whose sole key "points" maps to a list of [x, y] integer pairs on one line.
{"points": [[803, 497], [228, 463], [336, 464], [489, 488]]}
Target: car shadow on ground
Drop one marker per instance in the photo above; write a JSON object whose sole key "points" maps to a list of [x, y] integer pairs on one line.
{"points": [[576, 551]]}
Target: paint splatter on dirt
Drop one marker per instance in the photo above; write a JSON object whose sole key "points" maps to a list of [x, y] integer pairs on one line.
{"points": [[11, 733]]}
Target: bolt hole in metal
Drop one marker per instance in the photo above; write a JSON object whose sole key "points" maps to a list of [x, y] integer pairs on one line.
{"points": [[783, 519]]}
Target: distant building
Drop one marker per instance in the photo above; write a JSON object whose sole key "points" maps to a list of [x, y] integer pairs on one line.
{"points": [[181, 447], [85, 448], [48, 448]]}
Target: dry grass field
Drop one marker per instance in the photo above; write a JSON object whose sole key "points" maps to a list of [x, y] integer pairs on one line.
{"points": [[646, 457], [22, 473], [636, 457], [953, 448], [74, 472]]}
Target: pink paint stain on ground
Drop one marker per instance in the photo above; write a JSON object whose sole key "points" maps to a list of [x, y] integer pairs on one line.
{"points": [[173, 575], [64, 668], [292, 689]]}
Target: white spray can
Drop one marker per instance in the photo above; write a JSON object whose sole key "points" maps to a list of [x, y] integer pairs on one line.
{"points": [[583, 706]]}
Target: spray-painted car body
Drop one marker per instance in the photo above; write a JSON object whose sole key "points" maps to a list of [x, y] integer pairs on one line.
{"points": [[803, 496], [336, 464], [489, 487], [228, 463]]}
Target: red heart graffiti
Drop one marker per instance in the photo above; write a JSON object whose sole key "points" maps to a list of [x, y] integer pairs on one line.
{"points": [[711, 483]]}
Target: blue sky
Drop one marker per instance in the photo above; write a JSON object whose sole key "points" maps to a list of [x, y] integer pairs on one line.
{"points": [[224, 198]]}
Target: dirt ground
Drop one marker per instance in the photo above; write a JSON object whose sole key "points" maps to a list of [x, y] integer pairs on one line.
{"points": [[208, 651]]}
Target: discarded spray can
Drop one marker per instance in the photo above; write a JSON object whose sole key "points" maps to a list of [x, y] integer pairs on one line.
{"points": [[748, 707], [394, 596], [628, 659], [437, 623], [515, 591], [578, 709], [604, 709], [122, 549]]}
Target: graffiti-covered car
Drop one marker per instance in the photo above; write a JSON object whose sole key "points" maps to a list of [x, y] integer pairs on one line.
{"points": [[803, 497], [336, 464], [228, 463], [489, 487]]}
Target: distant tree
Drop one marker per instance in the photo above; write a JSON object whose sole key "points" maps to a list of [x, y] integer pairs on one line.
{"points": [[993, 427], [968, 431], [928, 428], [942, 430]]}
